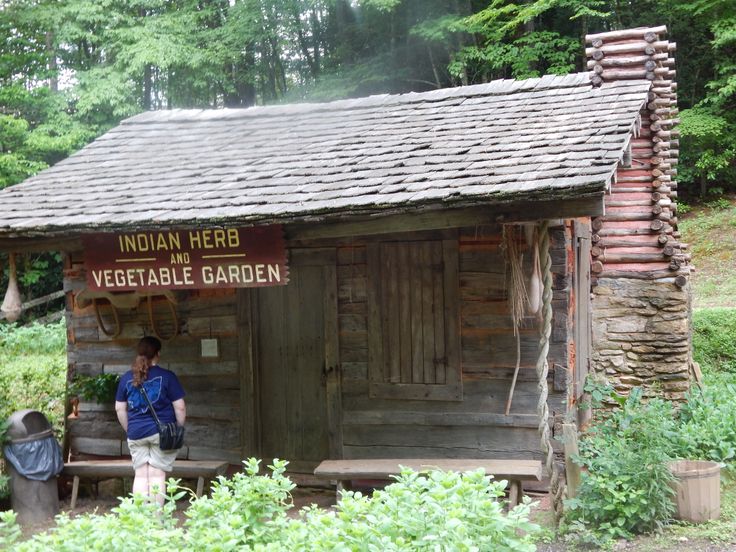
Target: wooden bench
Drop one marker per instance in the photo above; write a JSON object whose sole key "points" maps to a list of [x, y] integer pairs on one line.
{"points": [[108, 469], [515, 471]]}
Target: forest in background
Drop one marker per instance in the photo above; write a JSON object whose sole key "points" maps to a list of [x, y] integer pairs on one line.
{"points": [[70, 70]]}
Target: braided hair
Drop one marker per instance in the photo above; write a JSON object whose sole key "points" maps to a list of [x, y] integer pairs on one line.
{"points": [[148, 348]]}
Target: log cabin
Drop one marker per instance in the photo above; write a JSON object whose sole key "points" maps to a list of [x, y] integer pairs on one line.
{"points": [[426, 275]]}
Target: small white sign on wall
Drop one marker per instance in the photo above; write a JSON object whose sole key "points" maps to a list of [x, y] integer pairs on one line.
{"points": [[210, 348]]}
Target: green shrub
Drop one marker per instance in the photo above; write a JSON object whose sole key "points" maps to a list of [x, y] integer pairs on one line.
{"points": [[714, 339], [246, 510], [707, 429], [33, 339], [33, 370], [626, 489], [435, 511], [35, 381]]}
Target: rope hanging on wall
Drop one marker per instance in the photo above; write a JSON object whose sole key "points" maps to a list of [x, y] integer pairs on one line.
{"points": [[557, 489], [524, 299], [517, 294]]}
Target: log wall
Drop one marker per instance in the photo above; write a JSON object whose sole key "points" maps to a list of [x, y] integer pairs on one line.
{"points": [[212, 386], [475, 426], [641, 305]]}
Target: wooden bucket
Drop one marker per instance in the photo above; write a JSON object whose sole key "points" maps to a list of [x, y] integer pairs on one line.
{"points": [[698, 487]]}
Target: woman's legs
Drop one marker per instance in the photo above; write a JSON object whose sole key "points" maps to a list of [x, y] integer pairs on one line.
{"points": [[141, 481], [156, 484], [150, 481]]}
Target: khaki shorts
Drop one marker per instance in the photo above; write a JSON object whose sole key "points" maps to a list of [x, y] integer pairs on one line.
{"points": [[146, 451]]}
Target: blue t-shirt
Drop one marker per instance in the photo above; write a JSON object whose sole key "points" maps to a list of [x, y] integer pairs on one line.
{"points": [[162, 387]]}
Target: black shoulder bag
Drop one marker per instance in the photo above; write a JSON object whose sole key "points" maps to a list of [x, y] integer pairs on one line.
{"points": [[171, 435]]}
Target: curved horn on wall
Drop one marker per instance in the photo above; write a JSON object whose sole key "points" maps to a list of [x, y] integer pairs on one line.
{"points": [[174, 317], [127, 300], [11, 306], [118, 326]]}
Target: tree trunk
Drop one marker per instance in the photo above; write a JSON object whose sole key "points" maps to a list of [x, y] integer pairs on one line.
{"points": [[147, 78], [316, 39], [434, 66], [53, 69]]}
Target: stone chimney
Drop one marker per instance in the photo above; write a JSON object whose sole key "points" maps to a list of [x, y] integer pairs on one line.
{"points": [[641, 293]]}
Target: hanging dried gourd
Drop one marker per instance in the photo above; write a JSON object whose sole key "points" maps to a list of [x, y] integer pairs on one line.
{"points": [[11, 306], [534, 298]]}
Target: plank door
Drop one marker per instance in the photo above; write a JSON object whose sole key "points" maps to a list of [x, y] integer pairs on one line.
{"points": [[296, 348]]}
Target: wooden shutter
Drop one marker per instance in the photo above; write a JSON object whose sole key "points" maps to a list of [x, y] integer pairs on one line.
{"points": [[413, 322]]}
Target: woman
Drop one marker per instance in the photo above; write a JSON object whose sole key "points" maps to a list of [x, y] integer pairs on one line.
{"points": [[167, 396]]}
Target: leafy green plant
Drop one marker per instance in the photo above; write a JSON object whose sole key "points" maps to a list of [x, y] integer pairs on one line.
{"points": [[719, 204], [243, 511], [626, 488], [432, 511], [33, 339], [100, 388], [708, 421]]}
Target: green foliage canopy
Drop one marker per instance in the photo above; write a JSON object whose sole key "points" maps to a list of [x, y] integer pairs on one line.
{"points": [[72, 70]]}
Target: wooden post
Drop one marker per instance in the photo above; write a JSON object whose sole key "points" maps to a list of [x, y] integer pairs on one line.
{"points": [[572, 470], [75, 492], [332, 364], [249, 417]]}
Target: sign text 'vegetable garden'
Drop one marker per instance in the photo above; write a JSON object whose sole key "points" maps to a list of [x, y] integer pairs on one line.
{"points": [[187, 258]]}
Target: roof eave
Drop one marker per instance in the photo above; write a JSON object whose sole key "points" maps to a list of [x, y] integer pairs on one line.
{"points": [[514, 207]]}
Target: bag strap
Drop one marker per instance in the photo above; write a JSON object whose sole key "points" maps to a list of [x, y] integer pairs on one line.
{"points": [[150, 407]]}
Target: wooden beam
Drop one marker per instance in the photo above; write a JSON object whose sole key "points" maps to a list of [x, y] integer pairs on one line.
{"points": [[442, 419], [40, 244], [449, 218]]}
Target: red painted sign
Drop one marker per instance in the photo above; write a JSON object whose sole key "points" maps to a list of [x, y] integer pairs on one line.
{"points": [[186, 259]]}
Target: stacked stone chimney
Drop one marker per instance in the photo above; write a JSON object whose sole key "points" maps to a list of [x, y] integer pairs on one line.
{"points": [[641, 291]]}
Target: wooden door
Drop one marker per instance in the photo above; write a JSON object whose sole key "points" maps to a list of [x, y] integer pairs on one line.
{"points": [[296, 332]]}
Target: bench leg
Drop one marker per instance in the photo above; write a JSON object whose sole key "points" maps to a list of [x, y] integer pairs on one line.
{"points": [[75, 491], [200, 486], [514, 493]]}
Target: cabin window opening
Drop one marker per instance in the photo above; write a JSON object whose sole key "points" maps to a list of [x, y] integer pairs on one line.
{"points": [[413, 320]]}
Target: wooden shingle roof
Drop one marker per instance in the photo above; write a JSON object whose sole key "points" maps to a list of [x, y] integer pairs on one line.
{"points": [[551, 137]]}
